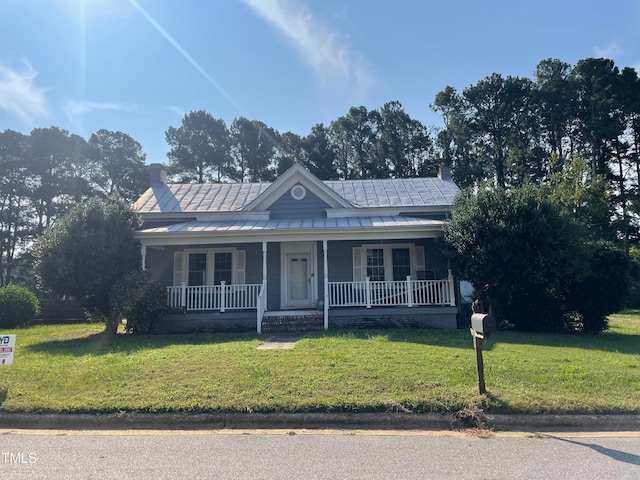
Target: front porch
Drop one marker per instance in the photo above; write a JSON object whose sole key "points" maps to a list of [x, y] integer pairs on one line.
{"points": [[391, 297]]}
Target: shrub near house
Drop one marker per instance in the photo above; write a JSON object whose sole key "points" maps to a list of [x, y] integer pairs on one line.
{"points": [[18, 307]]}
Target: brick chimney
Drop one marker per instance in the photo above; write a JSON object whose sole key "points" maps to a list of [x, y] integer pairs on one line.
{"points": [[157, 174], [444, 173]]}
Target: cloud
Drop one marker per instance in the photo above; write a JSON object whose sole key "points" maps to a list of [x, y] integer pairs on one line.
{"points": [[75, 110], [611, 51], [18, 94], [325, 51], [177, 110]]}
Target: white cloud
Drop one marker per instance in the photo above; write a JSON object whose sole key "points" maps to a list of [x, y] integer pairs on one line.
{"points": [[18, 94], [177, 110], [611, 51], [327, 52], [75, 110]]}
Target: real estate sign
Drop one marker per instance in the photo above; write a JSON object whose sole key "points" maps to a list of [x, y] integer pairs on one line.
{"points": [[7, 346]]}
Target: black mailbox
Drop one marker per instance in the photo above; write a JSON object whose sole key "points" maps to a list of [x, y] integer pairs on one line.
{"points": [[483, 323]]}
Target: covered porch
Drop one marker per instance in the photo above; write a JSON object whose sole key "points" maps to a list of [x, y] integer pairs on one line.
{"points": [[306, 276]]}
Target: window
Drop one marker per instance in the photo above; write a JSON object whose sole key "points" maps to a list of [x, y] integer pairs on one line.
{"points": [[222, 267], [375, 264], [197, 269], [393, 262], [401, 261], [209, 266]]}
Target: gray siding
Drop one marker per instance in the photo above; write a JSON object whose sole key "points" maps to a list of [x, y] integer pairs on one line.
{"points": [[288, 208], [160, 264]]}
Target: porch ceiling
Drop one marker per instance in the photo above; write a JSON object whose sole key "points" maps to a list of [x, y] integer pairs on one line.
{"points": [[298, 229]]}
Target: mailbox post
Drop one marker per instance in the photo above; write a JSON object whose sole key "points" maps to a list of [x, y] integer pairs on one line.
{"points": [[482, 326]]}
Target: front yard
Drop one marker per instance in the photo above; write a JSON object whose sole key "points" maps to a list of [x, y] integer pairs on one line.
{"points": [[73, 368]]}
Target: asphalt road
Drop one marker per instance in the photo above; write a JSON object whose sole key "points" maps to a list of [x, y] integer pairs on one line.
{"points": [[300, 454]]}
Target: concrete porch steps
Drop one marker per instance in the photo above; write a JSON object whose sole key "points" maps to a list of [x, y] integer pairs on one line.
{"points": [[292, 321]]}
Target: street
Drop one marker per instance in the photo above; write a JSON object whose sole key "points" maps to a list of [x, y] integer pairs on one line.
{"points": [[311, 454]]}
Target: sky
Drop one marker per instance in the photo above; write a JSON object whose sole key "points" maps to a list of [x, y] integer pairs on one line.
{"points": [[138, 66]]}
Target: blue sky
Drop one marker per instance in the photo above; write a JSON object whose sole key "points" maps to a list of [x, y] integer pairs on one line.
{"points": [[139, 65]]}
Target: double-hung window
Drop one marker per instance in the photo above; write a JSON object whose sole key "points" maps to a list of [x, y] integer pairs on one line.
{"points": [[394, 262], [222, 267], [199, 267]]}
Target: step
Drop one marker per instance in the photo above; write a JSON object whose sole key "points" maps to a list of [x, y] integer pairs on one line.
{"points": [[292, 321]]}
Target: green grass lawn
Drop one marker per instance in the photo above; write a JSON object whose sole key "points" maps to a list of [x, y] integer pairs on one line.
{"points": [[72, 368]]}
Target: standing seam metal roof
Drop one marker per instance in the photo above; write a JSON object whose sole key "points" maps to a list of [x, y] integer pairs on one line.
{"points": [[229, 197]]}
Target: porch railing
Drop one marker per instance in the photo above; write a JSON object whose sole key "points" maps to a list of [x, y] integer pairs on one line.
{"points": [[407, 292], [365, 293], [214, 297]]}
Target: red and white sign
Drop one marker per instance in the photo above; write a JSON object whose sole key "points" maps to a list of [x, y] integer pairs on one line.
{"points": [[7, 346]]}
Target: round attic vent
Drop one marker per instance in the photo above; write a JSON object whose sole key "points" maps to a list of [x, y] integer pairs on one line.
{"points": [[298, 192]]}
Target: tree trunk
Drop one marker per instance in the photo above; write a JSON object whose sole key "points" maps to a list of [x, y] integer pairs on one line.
{"points": [[111, 324]]}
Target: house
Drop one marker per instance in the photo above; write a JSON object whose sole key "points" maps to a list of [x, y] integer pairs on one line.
{"points": [[299, 253]]}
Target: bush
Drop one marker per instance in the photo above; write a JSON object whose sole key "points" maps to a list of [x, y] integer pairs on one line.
{"points": [[520, 252], [141, 300], [18, 307], [603, 291]]}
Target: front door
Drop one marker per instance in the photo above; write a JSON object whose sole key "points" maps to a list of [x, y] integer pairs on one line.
{"points": [[298, 280]]}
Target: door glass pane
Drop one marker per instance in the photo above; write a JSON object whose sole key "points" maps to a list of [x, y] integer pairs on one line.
{"points": [[401, 263], [197, 269], [222, 267], [299, 288], [375, 264]]}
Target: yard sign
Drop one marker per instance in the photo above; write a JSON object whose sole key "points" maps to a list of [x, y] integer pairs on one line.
{"points": [[7, 346]]}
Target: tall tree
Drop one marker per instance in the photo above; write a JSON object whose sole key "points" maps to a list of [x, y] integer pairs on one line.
{"points": [[497, 107], [16, 207], [289, 151], [353, 137], [598, 91], [320, 153], [557, 109], [455, 141], [253, 148], [55, 157], [117, 164], [403, 145], [199, 148]]}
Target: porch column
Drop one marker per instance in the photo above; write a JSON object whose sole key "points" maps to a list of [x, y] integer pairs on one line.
{"points": [[264, 272], [143, 254], [326, 284], [452, 291]]}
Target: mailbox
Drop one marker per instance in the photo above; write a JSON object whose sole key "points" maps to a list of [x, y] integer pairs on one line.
{"points": [[483, 323]]}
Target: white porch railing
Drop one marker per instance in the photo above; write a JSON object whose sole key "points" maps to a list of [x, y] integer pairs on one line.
{"points": [[380, 293], [366, 293], [214, 297]]}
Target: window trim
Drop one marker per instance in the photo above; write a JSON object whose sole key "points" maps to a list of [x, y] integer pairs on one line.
{"points": [[416, 252], [210, 270]]}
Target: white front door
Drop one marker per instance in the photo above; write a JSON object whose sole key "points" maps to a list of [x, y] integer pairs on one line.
{"points": [[298, 287], [299, 280]]}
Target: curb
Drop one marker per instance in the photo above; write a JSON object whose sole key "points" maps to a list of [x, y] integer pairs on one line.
{"points": [[364, 421]]}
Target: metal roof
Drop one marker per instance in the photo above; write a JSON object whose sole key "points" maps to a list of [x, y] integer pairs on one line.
{"points": [[254, 226], [400, 192], [229, 197]]}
